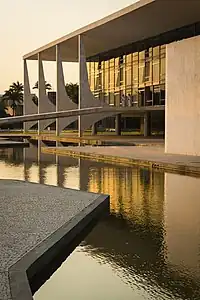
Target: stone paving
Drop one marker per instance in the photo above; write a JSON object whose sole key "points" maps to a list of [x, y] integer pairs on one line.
{"points": [[29, 214], [146, 156]]}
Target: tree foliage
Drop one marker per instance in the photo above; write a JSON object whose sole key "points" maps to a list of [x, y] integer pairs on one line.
{"points": [[48, 86], [13, 96], [72, 90]]}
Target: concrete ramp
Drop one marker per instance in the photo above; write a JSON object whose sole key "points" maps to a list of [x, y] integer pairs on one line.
{"points": [[38, 222]]}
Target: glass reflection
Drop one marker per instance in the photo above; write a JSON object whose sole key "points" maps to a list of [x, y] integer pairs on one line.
{"points": [[129, 75]]}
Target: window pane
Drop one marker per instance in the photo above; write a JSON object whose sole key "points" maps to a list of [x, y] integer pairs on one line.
{"points": [[112, 98], [156, 51], [156, 95], [162, 69], [128, 76], [141, 74], [117, 79], [141, 97], [106, 77], [156, 72], [148, 96], [92, 77], [135, 74], [162, 94], [112, 74], [117, 99], [135, 97]]}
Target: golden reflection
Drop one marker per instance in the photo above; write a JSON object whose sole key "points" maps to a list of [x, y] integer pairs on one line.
{"points": [[136, 194]]}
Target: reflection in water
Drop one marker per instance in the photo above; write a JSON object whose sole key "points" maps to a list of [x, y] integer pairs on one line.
{"points": [[148, 248]]}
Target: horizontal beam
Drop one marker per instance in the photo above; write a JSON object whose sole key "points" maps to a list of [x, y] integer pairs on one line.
{"points": [[77, 112]]}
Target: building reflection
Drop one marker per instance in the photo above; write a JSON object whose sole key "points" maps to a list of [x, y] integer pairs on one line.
{"points": [[153, 230]]}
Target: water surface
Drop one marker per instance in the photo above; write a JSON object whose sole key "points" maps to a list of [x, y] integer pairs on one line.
{"points": [[149, 246]]}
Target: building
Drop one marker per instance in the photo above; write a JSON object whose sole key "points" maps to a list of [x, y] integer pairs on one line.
{"points": [[145, 59]]}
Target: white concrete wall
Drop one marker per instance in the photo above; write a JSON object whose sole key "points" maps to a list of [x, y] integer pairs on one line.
{"points": [[183, 97]]}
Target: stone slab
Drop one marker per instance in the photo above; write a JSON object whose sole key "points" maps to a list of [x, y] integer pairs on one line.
{"points": [[36, 221], [153, 157]]}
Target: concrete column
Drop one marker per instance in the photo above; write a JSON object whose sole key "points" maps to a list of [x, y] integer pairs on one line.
{"points": [[57, 85], [147, 124], [44, 104], [26, 89], [81, 82], [29, 106], [41, 93], [142, 125], [86, 97], [94, 129], [63, 102], [118, 124]]}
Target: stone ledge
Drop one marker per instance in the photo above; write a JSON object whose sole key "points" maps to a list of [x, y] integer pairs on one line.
{"points": [[38, 222]]}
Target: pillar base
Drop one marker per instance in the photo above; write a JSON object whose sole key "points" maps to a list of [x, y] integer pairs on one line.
{"points": [[118, 125], [94, 129]]}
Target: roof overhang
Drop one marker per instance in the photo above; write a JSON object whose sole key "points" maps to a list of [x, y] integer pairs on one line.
{"points": [[139, 21]]}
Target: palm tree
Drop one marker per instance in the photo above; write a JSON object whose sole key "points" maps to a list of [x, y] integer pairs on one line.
{"points": [[14, 95], [17, 86], [47, 86], [3, 109], [72, 91]]}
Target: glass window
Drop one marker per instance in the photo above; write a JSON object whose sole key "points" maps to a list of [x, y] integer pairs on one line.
{"points": [[106, 77], [117, 77], [156, 51], [89, 71], [162, 69], [96, 95], [135, 74], [112, 77], [135, 97], [96, 65], [147, 71], [162, 94], [156, 95], [148, 95], [112, 63], [112, 98], [142, 56], [117, 99], [106, 98], [141, 68], [156, 71], [141, 74], [92, 76], [141, 97], [128, 71]]}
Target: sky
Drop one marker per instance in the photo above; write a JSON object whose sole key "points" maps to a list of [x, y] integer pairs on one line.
{"points": [[29, 24]]}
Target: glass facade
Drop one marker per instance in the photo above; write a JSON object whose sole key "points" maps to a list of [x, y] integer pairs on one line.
{"points": [[134, 79]]}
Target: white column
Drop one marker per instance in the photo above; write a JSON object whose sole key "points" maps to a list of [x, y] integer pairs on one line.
{"points": [[58, 60], [40, 92], [26, 90], [86, 97], [29, 106], [63, 102], [80, 58]]}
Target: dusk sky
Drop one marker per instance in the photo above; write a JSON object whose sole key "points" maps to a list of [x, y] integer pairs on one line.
{"points": [[27, 25]]}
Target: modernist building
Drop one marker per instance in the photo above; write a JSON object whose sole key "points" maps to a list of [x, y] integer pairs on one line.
{"points": [[144, 58]]}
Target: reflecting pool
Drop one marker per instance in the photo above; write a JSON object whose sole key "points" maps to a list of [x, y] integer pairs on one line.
{"points": [[149, 246]]}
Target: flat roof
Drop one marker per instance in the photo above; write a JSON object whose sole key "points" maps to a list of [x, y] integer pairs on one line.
{"points": [[139, 21]]}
